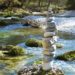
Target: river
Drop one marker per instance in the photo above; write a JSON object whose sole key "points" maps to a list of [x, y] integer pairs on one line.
{"points": [[68, 45]]}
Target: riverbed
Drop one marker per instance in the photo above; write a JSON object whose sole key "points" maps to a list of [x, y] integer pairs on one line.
{"points": [[9, 35]]}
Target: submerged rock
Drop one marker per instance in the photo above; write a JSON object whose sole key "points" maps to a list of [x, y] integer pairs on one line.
{"points": [[35, 21]]}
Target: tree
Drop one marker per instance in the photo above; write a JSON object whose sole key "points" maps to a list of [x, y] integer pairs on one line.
{"points": [[70, 4]]}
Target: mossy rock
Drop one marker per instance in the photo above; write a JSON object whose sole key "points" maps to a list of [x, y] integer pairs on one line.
{"points": [[69, 56], [33, 43], [15, 50], [11, 50], [59, 45]]}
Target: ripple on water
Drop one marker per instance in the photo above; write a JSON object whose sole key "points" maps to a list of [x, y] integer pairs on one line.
{"points": [[68, 45], [33, 50], [66, 67]]}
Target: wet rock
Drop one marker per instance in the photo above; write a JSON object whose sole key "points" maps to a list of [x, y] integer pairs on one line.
{"points": [[69, 56], [33, 43], [12, 50], [40, 71], [35, 21]]}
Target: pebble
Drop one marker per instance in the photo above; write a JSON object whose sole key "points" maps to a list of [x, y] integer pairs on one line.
{"points": [[38, 70]]}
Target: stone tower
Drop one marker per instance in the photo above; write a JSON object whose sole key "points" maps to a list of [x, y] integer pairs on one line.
{"points": [[49, 41]]}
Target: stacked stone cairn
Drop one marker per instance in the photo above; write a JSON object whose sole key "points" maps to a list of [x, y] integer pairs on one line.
{"points": [[49, 41], [48, 45]]}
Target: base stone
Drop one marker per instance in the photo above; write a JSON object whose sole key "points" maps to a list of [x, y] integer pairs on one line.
{"points": [[38, 70]]}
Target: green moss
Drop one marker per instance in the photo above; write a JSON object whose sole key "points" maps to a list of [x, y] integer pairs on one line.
{"points": [[15, 50], [67, 56], [12, 55], [33, 43], [12, 62]]}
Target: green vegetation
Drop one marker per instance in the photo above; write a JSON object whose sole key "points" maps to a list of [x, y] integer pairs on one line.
{"points": [[70, 4], [33, 43], [11, 55], [69, 56], [26, 7]]}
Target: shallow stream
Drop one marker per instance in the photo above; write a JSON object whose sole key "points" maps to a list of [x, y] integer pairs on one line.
{"points": [[18, 29]]}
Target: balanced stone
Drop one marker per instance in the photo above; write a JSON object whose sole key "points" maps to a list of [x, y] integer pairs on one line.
{"points": [[47, 43], [50, 29], [50, 19], [47, 58], [49, 34], [49, 40], [48, 52]]}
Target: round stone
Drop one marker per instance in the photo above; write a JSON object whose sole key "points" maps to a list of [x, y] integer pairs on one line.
{"points": [[49, 34], [46, 43]]}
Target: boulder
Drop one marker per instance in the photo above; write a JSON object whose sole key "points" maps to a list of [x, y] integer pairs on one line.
{"points": [[33, 43], [69, 56]]}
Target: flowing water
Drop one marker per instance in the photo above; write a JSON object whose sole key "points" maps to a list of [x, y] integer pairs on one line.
{"points": [[68, 45]]}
